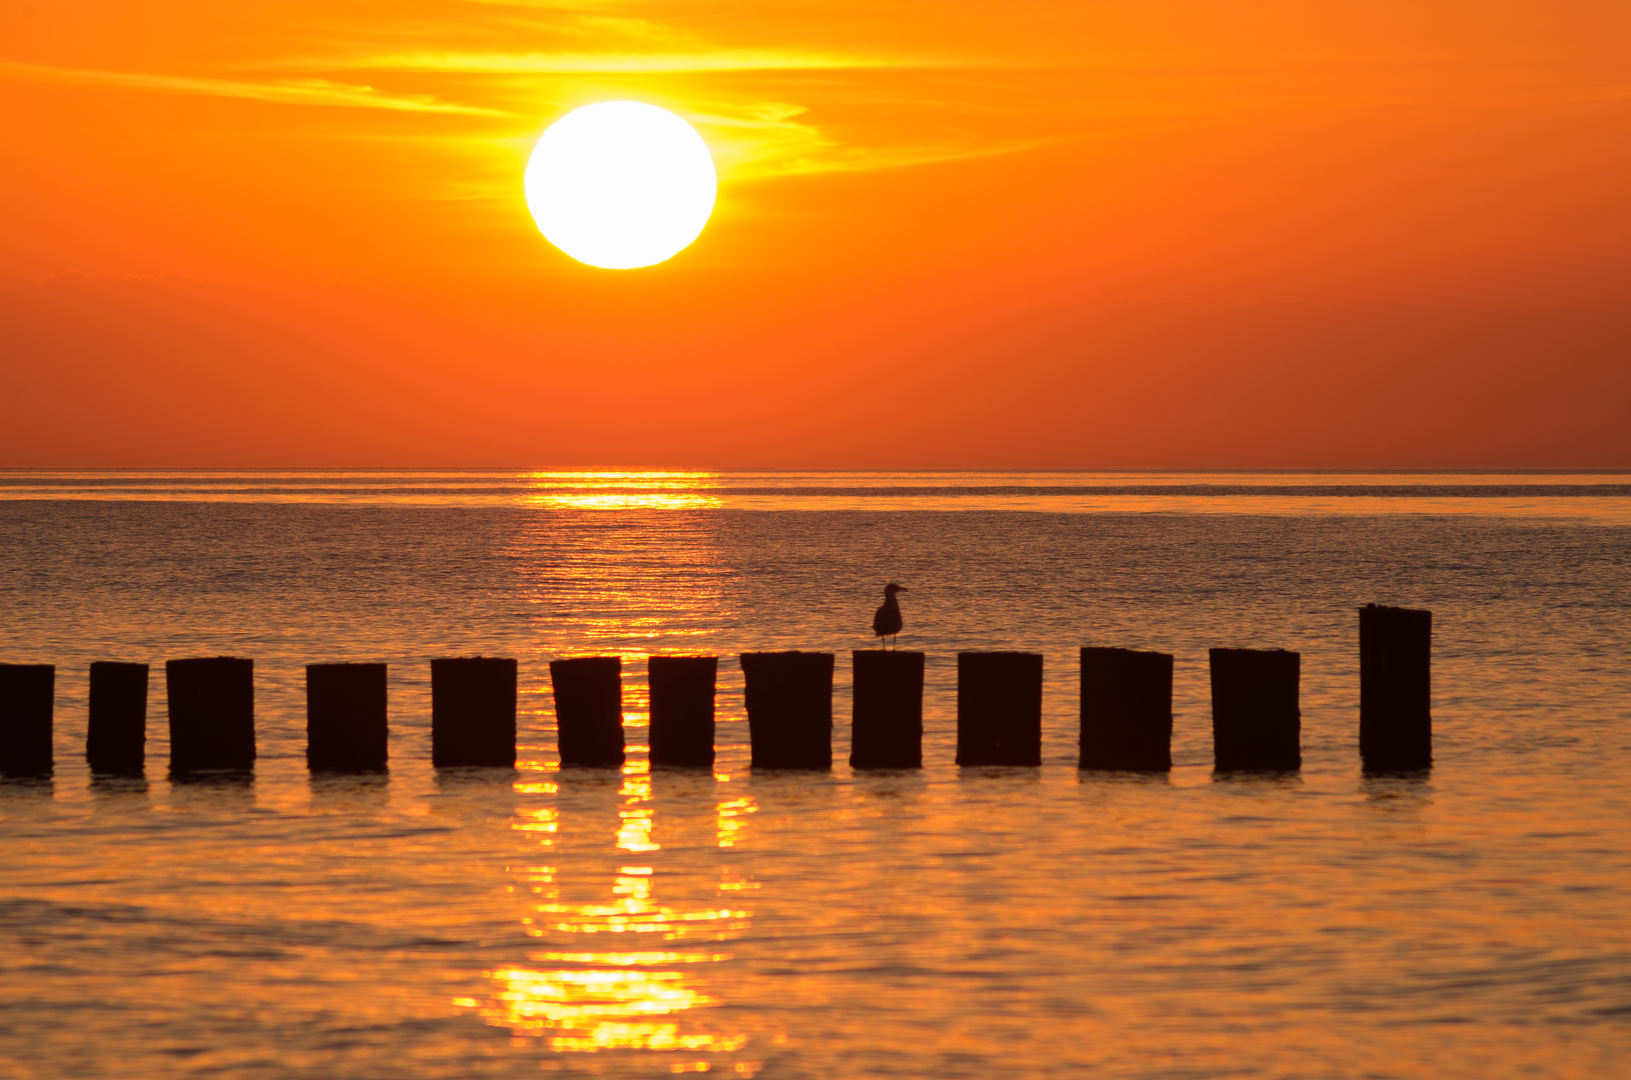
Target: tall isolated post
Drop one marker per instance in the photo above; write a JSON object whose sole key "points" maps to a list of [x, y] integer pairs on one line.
{"points": [[212, 713], [116, 741], [1395, 688], [346, 726], [1126, 710], [789, 704], [887, 727], [682, 710], [589, 710], [999, 708], [1256, 718], [27, 698], [472, 712]]}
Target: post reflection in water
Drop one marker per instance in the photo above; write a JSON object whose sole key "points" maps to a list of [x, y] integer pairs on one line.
{"points": [[630, 911]]}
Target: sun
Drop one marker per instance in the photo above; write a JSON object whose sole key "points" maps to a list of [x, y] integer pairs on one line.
{"points": [[620, 184]]}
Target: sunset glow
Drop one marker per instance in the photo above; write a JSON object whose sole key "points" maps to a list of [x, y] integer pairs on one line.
{"points": [[1008, 539], [1050, 235]]}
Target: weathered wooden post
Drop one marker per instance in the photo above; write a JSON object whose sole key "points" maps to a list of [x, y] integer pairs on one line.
{"points": [[789, 704], [1395, 688], [589, 710], [887, 727], [999, 708], [1126, 710], [212, 713], [1256, 719], [346, 727], [472, 712], [27, 700], [682, 710], [116, 740]]}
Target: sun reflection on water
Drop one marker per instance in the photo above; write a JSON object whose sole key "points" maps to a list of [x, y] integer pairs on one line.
{"points": [[635, 832], [729, 821], [589, 999], [621, 490], [624, 950]]}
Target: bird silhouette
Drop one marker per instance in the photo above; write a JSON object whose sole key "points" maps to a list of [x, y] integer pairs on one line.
{"points": [[886, 623]]}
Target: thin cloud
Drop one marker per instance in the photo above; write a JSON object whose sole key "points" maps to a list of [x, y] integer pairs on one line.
{"points": [[285, 92], [600, 63], [768, 140], [750, 140]]}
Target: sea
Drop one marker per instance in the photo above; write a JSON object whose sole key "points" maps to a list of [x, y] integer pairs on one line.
{"points": [[1472, 920]]}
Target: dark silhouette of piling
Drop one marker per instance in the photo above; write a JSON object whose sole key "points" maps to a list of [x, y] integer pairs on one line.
{"points": [[682, 710], [346, 729], [212, 713], [999, 708], [1126, 710], [1256, 720], [116, 741], [589, 710], [789, 703], [472, 712], [887, 729], [1395, 688], [27, 694]]}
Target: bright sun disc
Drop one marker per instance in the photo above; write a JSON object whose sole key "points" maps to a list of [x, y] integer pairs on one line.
{"points": [[620, 184]]}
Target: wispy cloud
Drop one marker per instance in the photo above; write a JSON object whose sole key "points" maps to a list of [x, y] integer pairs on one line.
{"points": [[750, 139], [282, 91], [599, 63], [770, 139]]}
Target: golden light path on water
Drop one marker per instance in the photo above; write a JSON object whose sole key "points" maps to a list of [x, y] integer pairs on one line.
{"points": [[628, 968], [618, 990], [631, 491]]}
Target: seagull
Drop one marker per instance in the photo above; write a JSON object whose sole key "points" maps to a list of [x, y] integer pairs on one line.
{"points": [[886, 623]]}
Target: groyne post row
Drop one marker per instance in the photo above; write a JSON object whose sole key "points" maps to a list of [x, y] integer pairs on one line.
{"points": [[1126, 709]]}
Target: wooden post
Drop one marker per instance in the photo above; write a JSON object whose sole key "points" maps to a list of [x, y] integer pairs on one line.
{"points": [[682, 710], [27, 699], [789, 704], [116, 741], [472, 712], [1256, 720], [999, 708], [1395, 688], [346, 728], [887, 727], [212, 713], [1126, 710], [589, 710]]}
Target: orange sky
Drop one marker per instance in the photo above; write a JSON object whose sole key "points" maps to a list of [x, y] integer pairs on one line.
{"points": [[949, 234]]}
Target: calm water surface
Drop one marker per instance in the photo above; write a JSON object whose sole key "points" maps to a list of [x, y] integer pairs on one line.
{"points": [[950, 923]]}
